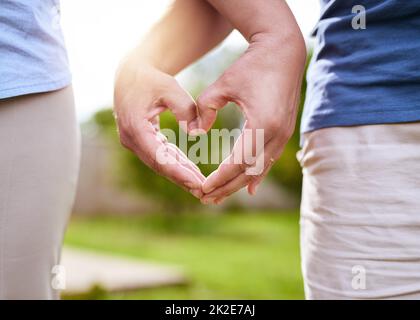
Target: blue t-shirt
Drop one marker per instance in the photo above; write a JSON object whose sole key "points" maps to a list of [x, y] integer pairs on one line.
{"points": [[364, 76], [32, 53]]}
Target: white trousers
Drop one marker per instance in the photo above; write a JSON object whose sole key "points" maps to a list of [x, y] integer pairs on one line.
{"points": [[39, 160], [360, 212]]}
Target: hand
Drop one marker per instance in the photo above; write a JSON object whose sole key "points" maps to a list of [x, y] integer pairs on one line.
{"points": [[265, 83], [142, 92]]}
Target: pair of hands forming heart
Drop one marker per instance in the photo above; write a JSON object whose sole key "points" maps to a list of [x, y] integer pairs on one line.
{"points": [[264, 85]]}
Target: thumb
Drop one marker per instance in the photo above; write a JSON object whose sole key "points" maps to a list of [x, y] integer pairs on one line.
{"points": [[182, 105], [209, 102]]}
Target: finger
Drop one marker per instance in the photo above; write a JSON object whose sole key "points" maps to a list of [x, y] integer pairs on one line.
{"points": [[272, 153], [167, 163], [181, 158], [155, 121], [156, 154], [237, 183], [176, 172], [226, 171], [184, 161], [179, 173], [219, 200], [209, 102], [182, 105], [241, 160], [242, 179], [253, 185]]}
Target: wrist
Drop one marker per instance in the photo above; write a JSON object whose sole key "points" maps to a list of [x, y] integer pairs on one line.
{"points": [[279, 44], [133, 65]]}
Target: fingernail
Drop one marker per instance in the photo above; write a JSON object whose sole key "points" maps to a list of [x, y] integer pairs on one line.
{"points": [[256, 188], [219, 201], [253, 190], [190, 185], [207, 190], [207, 200], [196, 193]]}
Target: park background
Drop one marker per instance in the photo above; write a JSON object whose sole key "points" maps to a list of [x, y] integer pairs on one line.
{"points": [[134, 235]]}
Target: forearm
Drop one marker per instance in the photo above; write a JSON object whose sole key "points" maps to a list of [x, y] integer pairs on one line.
{"points": [[189, 29], [265, 83], [269, 21]]}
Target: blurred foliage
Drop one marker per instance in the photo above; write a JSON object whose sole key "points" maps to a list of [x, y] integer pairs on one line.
{"points": [[133, 173], [229, 256]]}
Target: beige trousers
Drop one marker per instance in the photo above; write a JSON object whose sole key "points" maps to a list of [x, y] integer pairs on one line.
{"points": [[360, 212], [39, 160]]}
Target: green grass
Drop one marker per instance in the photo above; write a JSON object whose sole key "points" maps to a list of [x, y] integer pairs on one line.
{"points": [[229, 256]]}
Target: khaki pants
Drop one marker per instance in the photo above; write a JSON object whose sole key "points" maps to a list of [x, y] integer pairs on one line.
{"points": [[39, 160], [360, 212]]}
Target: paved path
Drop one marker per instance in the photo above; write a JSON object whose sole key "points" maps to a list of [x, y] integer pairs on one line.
{"points": [[85, 269]]}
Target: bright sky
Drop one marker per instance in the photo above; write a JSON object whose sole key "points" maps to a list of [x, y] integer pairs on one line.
{"points": [[98, 33]]}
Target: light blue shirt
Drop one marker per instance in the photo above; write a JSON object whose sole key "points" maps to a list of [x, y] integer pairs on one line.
{"points": [[367, 75], [33, 57]]}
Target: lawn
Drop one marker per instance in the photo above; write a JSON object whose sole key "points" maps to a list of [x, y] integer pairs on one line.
{"points": [[230, 256]]}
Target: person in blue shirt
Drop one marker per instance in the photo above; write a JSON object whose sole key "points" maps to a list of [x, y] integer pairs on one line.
{"points": [[360, 128]]}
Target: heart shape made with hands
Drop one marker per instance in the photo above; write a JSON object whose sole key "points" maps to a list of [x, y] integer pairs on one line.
{"points": [[250, 82], [243, 167], [239, 162]]}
